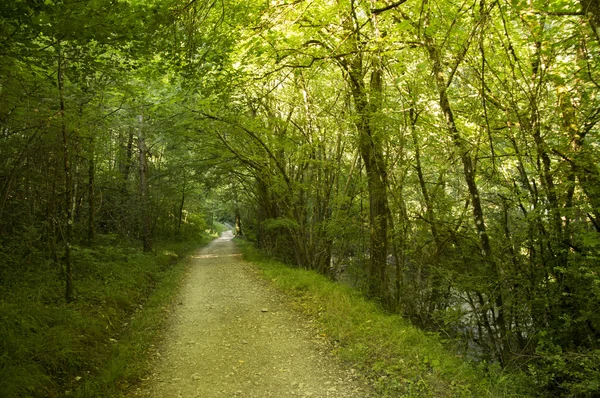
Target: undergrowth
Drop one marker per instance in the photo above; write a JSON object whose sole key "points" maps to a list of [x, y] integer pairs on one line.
{"points": [[398, 358], [97, 345]]}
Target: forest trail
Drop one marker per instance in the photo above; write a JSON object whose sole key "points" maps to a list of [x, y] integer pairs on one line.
{"points": [[233, 335]]}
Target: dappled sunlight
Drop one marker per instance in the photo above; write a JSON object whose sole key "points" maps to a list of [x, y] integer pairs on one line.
{"points": [[439, 157], [216, 255], [227, 235]]}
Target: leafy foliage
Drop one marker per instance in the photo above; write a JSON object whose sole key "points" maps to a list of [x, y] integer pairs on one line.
{"points": [[443, 153]]}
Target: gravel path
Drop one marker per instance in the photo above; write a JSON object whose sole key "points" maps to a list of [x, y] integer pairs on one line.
{"points": [[233, 335]]}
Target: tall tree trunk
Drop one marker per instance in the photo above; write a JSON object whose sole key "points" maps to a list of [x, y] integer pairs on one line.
{"points": [[372, 155], [238, 219], [583, 164], [125, 161], [591, 9], [51, 213], [238, 223], [182, 203], [469, 174], [146, 221], [367, 103], [434, 279], [67, 233], [91, 199]]}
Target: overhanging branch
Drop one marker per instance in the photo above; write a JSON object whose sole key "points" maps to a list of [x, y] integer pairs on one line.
{"points": [[388, 7]]}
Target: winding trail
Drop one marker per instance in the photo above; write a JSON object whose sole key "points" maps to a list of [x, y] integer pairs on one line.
{"points": [[233, 335]]}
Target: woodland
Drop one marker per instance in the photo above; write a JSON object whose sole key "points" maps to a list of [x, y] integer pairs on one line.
{"points": [[439, 155]]}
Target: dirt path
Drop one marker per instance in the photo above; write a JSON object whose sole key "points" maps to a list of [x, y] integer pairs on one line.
{"points": [[232, 335]]}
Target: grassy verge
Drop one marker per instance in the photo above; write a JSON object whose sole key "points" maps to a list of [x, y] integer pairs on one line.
{"points": [[97, 345], [401, 360]]}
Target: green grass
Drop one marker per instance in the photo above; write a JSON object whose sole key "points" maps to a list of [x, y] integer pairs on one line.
{"points": [[98, 345], [399, 359]]}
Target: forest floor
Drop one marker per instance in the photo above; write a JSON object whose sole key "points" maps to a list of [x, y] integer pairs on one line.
{"points": [[231, 334]]}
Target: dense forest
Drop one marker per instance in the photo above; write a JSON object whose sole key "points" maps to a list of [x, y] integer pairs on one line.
{"points": [[439, 155]]}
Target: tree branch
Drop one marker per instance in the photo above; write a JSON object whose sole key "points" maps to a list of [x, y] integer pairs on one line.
{"points": [[260, 142], [388, 7]]}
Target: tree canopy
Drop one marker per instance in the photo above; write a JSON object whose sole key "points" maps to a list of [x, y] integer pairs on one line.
{"points": [[442, 153]]}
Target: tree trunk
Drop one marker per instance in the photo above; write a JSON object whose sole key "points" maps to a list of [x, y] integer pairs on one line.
{"points": [[583, 164], [67, 234], [432, 279], [469, 173], [367, 103], [91, 199], [146, 222], [591, 9], [179, 222], [238, 224], [372, 155]]}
